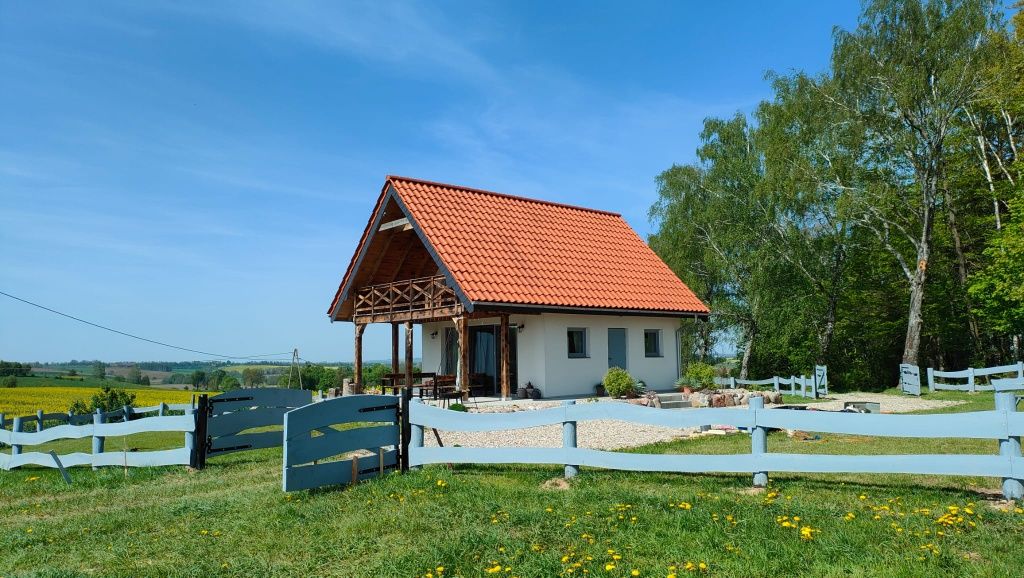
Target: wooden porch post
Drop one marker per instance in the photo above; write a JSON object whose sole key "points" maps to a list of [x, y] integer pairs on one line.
{"points": [[357, 366], [408, 354], [463, 325], [503, 328], [394, 348]]}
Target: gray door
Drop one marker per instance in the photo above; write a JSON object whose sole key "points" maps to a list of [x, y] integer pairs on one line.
{"points": [[617, 347]]}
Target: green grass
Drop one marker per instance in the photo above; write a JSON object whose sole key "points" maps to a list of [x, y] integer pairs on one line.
{"points": [[232, 519]]}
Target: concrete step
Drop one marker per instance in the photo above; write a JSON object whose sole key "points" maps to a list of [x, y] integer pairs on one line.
{"points": [[670, 397], [677, 404]]}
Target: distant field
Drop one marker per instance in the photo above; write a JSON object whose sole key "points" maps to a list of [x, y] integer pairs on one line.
{"points": [[26, 400]]}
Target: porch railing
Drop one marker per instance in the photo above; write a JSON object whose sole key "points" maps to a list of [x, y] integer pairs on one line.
{"points": [[408, 299]]}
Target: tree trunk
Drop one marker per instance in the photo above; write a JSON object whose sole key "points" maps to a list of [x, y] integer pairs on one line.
{"points": [[914, 320], [961, 267], [745, 364]]}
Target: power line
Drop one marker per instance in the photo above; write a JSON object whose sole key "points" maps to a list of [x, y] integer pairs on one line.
{"points": [[133, 336]]}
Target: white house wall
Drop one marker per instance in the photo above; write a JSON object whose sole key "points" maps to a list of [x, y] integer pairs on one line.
{"points": [[577, 376], [544, 357]]}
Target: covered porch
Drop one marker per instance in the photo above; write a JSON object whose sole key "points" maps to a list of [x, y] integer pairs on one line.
{"points": [[404, 304]]}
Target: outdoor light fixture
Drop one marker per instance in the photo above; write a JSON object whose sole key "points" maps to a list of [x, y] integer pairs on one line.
{"points": [[433, 335], [522, 326]]}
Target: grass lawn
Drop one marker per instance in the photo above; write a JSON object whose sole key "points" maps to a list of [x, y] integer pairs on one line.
{"points": [[232, 519]]}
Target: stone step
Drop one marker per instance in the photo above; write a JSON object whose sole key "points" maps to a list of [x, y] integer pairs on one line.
{"points": [[675, 404], [670, 397]]}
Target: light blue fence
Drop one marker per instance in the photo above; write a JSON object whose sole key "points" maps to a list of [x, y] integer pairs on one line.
{"points": [[910, 379], [1003, 424], [1013, 379], [99, 426], [317, 453], [234, 412], [800, 385]]}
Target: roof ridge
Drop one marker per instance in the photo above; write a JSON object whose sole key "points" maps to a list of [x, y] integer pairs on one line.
{"points": [[503, 195]]}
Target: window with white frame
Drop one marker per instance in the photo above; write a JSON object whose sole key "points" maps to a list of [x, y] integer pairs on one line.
{"points": [[652, 343], [577, 339]]}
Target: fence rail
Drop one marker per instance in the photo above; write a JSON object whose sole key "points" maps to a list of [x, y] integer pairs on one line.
{"points": [[99, 430], [808, 386], [1003, 424], [971, 375]]}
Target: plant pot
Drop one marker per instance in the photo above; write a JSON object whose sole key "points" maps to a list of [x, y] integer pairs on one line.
{"points": [[687, 389]]}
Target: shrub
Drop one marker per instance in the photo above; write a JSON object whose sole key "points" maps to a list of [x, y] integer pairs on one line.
{"points": [[106, 399], [9, 381], [618, 382], [700, 375], [457, 407]]}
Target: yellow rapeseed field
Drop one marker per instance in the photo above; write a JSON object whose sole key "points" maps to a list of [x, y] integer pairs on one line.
{"points": [[26, 400]]}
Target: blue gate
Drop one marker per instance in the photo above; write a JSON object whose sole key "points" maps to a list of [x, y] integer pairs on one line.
{"points": [[341, 441]]}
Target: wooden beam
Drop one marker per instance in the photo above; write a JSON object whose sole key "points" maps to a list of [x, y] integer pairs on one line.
{"points": [[408, 353], [394, 348], [403, 223], [357, 366], [463, 331], [405, 255], [503, 328]]}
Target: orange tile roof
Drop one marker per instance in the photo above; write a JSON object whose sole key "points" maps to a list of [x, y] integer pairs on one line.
{"points": [[512, 250]]}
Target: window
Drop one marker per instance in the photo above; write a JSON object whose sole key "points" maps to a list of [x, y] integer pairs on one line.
{"points": [[652, 342], [577, 338]]}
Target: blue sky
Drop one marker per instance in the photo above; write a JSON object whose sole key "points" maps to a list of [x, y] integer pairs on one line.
{"points": [[199, 173]]}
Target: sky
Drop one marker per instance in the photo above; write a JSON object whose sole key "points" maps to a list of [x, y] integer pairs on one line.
{"points": [[199, 173]]}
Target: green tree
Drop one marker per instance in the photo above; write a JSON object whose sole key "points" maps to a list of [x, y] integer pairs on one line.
{"points": [[902, 77], [253, 376], [98, 370], [198, 379]]}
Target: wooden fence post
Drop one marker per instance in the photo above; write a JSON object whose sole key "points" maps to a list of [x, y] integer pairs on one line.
{"points": [[931, 380], [569, 439], [1009, 448], [39, 420], [15, 428], [732, 382], [792, 385], [415, 432], [775, 383], [758, 439], [160, 410], [970, 380], [127, 413], [97, 440], [1020, 370]]}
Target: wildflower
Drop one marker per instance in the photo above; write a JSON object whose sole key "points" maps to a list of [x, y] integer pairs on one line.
{"points": [[634, 572], [807, 533], [849, 516], [609, 567], [862, 497], [441, 483], [494, 569], [31, 478]]}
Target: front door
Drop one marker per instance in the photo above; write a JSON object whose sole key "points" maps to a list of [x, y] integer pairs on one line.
{"points": [[617, 347]]}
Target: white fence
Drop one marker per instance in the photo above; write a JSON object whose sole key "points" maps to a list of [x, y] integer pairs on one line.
{"points": [[1013, 379], [800, 385]]}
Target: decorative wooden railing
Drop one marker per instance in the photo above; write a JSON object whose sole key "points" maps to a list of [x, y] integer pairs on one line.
{"points": [[808, 386], [411, 299]]}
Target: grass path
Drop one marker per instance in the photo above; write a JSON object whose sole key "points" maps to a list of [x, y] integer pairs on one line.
{"points": [[232, 519]]}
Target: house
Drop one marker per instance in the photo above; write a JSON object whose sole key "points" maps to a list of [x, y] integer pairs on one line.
{"points": [[509, 290]]}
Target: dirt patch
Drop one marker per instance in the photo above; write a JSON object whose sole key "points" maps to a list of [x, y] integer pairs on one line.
{"points": [[557, 484]]}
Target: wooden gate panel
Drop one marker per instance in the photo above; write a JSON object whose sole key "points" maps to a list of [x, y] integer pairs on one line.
{"points": [[310, 438]]}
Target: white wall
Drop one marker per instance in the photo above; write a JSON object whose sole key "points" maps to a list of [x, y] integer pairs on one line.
{"points": [[544, 356], [577, 376]]}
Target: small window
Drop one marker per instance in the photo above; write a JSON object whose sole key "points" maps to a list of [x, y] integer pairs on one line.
{"points": [[577, 338], [652, 342]]}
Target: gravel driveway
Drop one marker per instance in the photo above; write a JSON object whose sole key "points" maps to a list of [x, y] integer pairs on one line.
{"points": [[614, 434]]}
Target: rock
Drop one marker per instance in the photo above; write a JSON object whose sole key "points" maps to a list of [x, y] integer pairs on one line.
{"points": [[717, 400]]}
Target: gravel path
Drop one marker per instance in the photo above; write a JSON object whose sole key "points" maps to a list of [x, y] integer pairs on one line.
{"points": [[614, 434], [890, 403]]}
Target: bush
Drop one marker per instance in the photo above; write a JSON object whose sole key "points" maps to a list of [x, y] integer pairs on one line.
{"points": [[9, 381], [457, 407], [106, 399], [700, 375], [618, 382]]}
